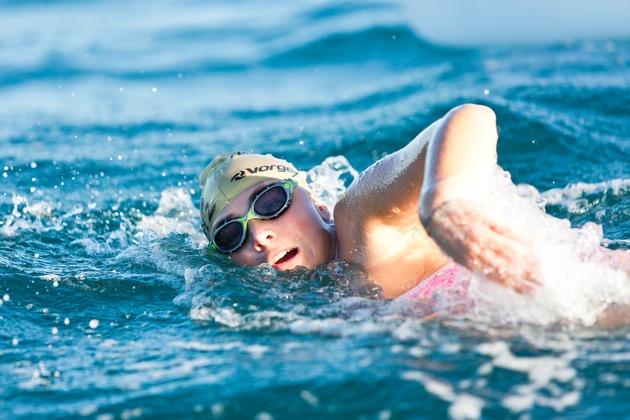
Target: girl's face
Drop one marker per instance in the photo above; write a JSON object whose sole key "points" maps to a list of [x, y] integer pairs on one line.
{"points": [[301, 236]]}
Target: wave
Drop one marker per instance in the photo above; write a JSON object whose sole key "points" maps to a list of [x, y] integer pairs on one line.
{"points": [[396, 47]]}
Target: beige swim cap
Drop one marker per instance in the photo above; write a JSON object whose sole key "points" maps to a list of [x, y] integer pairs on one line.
{"points": [[229, 174]]}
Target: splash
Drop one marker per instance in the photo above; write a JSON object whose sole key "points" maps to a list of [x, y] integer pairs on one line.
{"points": [[582, 281], [175, 212], [330, 179], [27, 216]]}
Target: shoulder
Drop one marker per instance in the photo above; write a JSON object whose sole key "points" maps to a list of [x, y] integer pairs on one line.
{"points": [[388, 192], [379, 207]]}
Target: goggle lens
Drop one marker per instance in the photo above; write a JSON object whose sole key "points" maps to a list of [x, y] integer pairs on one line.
{"points": [[270, 203], [229, 236]]}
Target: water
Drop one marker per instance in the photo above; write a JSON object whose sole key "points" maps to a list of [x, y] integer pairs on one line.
{"points": [[111, 309]]}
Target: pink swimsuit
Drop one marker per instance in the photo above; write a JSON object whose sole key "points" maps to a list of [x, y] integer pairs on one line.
{"points": [[441, 279]]}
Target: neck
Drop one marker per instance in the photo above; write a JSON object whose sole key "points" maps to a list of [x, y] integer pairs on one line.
{"points": [[334, 243]]}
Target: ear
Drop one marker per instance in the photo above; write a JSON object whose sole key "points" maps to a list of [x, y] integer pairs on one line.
{"points": [[322, 209]]}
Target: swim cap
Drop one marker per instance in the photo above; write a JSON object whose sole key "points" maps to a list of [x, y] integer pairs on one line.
{"points": [[229, 174]]}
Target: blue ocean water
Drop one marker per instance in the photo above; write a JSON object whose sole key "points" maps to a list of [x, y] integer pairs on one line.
{"points": [[111, 309]]}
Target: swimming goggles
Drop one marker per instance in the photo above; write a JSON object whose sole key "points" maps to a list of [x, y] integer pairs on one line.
{"points": [[270, 203]]}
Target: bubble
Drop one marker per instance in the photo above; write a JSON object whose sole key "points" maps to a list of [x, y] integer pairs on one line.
{"points": [[55, 330], [94, 323], [217, 409], [6, 297], [309, 397]]}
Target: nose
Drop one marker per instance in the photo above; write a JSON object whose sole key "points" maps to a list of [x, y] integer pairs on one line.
{"points": [[262, 233]]}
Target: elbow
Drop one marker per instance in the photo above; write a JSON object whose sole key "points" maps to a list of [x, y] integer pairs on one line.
{"points": [[473, 112], [471, 121]]}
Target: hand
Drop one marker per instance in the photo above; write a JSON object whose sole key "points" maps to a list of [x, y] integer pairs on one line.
{"points": [[483, 245]]}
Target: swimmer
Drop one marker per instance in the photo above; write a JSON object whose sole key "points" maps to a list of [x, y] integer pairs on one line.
{"points": [[407, 221]]}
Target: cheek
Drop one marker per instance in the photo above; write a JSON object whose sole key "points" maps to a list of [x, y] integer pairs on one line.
{"points": [[303, 220], [245, 258], [310, 227]]}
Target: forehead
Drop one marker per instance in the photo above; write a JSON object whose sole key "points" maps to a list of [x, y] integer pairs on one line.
{"points": [[239, 205]]}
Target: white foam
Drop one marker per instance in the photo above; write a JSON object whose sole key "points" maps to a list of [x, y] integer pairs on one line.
{"points": [[41, 210], [27, 216], [440, 389], [257, 350], [175, 213], [143, 372], [519, 403], [579, 282], [224, 316], [199, 346], [463, 405], [569, 195], [544, 373], [330, 179], [50, 277]]}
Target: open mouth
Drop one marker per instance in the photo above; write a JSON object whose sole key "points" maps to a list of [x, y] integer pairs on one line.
{"points": [[285, 256]]}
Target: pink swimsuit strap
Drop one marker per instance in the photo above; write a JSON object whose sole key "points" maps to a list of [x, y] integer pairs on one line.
{"points": [[441, 279]]}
